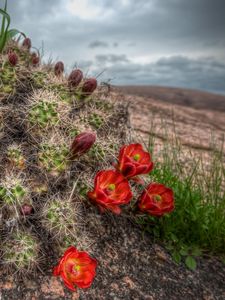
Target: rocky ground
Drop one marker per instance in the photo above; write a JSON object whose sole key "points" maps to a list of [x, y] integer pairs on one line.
{"points": [[196, 128], [131, 265]]}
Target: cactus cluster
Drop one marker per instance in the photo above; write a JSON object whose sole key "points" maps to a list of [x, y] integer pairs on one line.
{"points": [[21, 252], [51, 144]]}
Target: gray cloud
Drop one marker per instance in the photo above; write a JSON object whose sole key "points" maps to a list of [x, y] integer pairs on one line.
{"points": [[111, 58], [142, 36], [98, 44], [201, 73]]}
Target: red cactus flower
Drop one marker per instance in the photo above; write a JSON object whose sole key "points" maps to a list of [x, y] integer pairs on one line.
{"points": [[75, 78], [156, 200], [59, 68], [89, 86], [133, 161], [82, 143], [13, 58], [35, 59], [111, 190], [27, 43], [77, 269]]}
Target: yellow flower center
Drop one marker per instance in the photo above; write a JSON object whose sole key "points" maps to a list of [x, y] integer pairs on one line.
{"points": [[157, 197], [76, 268], [111, 187], [136, 157]]}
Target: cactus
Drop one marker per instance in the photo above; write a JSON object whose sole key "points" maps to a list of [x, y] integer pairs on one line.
{"points": [[61, 217], [54, 158], [13, 192], [43, 113], [16, 157], [20, 252], [95, 120], [42, 189]]}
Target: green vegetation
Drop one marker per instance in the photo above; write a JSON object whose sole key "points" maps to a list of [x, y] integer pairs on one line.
{"points": [[197, 225], [6, 33]]}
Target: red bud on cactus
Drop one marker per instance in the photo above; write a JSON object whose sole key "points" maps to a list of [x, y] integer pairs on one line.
{"points": [[59, 68], [26, 210], [75, 78], [27, 43], [89, 86], [12, 58], [35, 59], [82, 143]]}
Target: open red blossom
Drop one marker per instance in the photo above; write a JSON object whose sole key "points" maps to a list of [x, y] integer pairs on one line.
{"points": [[133, 161], [111, 190], [156, 200], [77, 269]]}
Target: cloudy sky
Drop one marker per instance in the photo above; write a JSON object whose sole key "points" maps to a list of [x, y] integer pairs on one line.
{"points": [[158, 42]]}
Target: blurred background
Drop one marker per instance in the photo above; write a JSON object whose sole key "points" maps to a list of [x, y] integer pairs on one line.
{"points": [[175, 43]]}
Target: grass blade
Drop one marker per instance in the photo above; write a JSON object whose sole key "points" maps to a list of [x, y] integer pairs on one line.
{"points": [[12, 33], [3, 37]]}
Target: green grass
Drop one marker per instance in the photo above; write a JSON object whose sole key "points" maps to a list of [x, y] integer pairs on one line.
{"points": [[197, 224]]}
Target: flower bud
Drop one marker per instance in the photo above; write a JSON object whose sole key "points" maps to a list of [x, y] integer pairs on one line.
{"points": [[26, 210], [35, 59], [27, 43], [59, 68], [75, 78], [12, 58], [89, 86], [82, 143]]}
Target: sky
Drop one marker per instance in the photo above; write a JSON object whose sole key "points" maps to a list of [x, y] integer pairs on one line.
{"points": [[177, 43]]}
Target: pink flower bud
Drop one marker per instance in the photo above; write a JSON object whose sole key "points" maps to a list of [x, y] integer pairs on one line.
{"points": [[27, 43], [89, 86], [26, 210], [82, 143], [13, 58], [59, 68], [75, 78]]}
